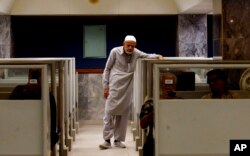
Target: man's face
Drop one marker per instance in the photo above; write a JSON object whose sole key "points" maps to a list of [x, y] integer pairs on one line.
{"points": [[215, 83], [129, 46]]}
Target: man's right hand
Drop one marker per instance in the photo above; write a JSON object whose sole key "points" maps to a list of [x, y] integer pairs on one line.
{"points": [[106, 92]]}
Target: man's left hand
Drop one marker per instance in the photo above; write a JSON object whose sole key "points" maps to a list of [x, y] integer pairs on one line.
{"points": [[160, 57]]}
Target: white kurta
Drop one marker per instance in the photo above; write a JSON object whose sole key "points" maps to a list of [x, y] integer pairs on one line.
{"points": [[118, 77]]}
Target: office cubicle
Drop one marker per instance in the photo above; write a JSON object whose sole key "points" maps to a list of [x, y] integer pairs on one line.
{"points": [[62, 81], [143, 87], [195, 126], [25, 127]]}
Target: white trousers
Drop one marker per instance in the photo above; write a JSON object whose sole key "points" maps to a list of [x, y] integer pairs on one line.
{"points": [[115, 126]]}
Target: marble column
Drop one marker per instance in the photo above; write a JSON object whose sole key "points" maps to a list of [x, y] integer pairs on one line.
{"points": [[91, 102], [236, 36], [5, 36], [236, 32], [192, 35]]}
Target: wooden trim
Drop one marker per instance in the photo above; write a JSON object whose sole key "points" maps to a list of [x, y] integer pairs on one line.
{"points": [[88, 71]]}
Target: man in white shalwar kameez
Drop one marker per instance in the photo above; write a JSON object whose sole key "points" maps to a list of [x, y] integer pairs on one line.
{"points": [[118, 90]]}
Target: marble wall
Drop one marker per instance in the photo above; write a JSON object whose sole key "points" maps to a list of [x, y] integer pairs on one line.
{"points": [[236, 36], [236, 32], [5, 37], [192, 35], [91, 102]]}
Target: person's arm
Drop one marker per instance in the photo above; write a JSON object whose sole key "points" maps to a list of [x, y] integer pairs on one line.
{"points": [[18, 92], [54, 134], [160, 57], [105, 92], [147, 114], [150, 56], [147, 120], [109, 64], [235, 95]]}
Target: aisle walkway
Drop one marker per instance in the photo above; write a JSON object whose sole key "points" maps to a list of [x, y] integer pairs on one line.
{"points": [[89, 138]]}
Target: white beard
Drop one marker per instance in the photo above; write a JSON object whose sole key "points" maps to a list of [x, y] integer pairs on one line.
{"points": [[127, 52]]}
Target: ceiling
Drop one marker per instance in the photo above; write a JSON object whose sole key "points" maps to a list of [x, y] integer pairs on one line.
{"points": [[93, 7]]}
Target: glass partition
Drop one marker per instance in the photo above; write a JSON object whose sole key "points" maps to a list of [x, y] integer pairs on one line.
{"points": [[21, 83], [190, 81]]}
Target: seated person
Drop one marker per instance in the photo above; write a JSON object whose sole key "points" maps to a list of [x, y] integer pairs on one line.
{"points": [[32, 90], [168, 86], [217, 81], [147, 123], [168, 83]]}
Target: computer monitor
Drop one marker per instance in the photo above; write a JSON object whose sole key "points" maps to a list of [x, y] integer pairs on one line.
{"points": [[185, 80]]}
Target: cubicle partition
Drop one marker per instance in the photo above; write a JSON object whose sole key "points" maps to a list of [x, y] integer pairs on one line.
{"points": [[143, 88], [191, 126], [25, 123], [61, 80]]}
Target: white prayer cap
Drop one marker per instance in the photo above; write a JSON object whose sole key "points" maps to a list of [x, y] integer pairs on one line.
{"points": [[130, 38]]}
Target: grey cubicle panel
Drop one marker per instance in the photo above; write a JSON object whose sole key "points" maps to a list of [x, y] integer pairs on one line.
{"points": [[200, 127], [25, 123]]}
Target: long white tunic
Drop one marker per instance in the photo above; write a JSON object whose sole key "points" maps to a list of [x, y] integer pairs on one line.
{"points": [[118, 77]]}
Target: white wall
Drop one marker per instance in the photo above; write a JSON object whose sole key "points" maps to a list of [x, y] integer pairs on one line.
{"points": [[195, 6], [184, 5], [5, 6], [217, 5]]}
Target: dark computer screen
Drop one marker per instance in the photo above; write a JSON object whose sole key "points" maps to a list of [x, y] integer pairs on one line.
{"points": [[185, 81]]}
